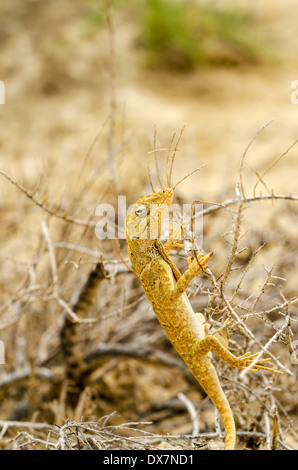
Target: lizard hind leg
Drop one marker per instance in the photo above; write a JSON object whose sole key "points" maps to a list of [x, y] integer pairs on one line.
{"points": [[221, 336], [205, 345]]}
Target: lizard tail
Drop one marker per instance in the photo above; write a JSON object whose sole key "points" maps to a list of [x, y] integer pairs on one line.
{"points": [[207, 377], [226, 415]]}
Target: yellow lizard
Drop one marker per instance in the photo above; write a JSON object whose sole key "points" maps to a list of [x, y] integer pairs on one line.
{"points": [[165, 288]]}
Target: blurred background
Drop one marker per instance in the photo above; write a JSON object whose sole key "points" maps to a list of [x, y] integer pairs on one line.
{"points": [[87, 82], [91, 87]]}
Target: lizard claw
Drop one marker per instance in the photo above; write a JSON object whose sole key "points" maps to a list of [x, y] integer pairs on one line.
{"points": [[198, 264], [247, 359]]}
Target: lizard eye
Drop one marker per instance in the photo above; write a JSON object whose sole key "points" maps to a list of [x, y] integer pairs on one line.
{"points": [[141, 211]]}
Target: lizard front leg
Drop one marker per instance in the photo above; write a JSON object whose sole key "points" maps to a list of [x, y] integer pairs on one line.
{"points": [[174, 237], [195, 268]]}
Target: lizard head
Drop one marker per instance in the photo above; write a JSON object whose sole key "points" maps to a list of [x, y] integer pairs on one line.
{"points": [[144, 218]]}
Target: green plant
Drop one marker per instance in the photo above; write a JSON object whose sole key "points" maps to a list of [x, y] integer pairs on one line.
{"points": [[170, 34], [183, 35]]}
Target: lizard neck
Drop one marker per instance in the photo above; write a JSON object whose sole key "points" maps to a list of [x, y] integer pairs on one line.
{"points": [[141, 252]]}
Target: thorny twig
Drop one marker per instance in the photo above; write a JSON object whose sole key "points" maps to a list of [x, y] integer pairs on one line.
{"points": [[56, 212], [101, 435]]}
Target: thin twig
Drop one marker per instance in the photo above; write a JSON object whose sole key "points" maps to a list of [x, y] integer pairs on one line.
{"points": [[192, 412], [239, 184], [51, 251], [265, 349], [188, 175], [55, 212], [245, 200], [261, 177], [169, 179], [155, 159], [113, 102]]}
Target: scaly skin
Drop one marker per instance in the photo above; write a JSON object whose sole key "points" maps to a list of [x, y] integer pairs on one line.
{"points": [[165, 287]]}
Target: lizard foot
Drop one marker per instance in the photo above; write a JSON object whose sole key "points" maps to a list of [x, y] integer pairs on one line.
{"points": [[174, 235], [198, 264], [247, 359]]}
